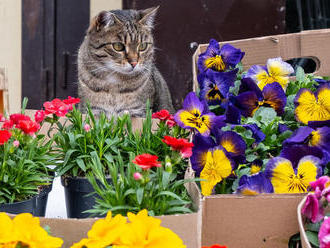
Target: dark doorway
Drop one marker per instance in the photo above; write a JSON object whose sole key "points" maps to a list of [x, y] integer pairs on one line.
{"points": [[179, 23], [52, 32]]}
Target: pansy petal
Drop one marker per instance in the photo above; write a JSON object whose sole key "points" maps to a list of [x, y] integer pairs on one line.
{"points": [[279, 71], [309, 169], [312, 108], [299, 136], [231, 142], [231, 55], [247, 103], [274, 97], [256, 166], [247, 84], [321, 138], [295, 152], [257, 134], [233, 115], [279, 170], [217, 167], [201, 146], [254, 70], [212, 50], [255, 184], [191, 102], [283, 128], [316, 124]]}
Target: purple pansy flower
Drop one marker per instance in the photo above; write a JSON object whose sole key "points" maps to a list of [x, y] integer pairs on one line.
{"points": [[215, 85], [250, 97], [324, 233], [196, 115], [219, 59], [319, 137], [312, 209], [254, 185], [233, 143]]}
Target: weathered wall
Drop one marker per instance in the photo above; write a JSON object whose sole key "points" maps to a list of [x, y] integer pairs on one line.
{"points": [[10, 49], [99, 5]]}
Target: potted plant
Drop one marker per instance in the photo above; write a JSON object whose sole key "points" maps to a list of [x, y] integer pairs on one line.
{"points": [[147, 172], [25, 160], [313, 215]]}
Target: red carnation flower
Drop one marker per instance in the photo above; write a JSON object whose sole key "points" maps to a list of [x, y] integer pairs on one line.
{"points": [[181, 145], [4, 136], [171, 122], [15, 118], [8, 124], [146, 161], [56, 107], [39, 116], [162, 115], [28, 127], [71, 101]]}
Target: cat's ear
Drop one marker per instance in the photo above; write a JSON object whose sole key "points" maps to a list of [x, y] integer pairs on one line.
{"points": [[148, 16], [103, 19]]}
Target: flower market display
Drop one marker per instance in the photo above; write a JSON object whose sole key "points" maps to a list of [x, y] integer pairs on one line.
{"points": [[25, 157], [256, 131], [317, 225]]}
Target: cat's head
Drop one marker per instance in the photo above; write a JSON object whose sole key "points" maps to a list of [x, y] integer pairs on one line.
{"points": [[122, 39]]}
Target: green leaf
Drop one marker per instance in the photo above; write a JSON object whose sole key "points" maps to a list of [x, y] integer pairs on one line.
{"points": [[178, 210], [139, 195], [81, 164], [300, 74], [170, 194], [313, 238], [265, 115]]}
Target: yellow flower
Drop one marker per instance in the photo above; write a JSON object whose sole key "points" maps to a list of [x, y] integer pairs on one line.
{"points": [[145, 232], [217, 167], [284, 178], [104, 232], [313, 107], [25, 229], [276, 70], [6, 227], [29, 232]]}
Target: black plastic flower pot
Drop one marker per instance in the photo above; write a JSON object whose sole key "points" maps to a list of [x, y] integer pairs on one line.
{"points": [[78, 197], [27, 206], [41, 201], [35, 205]]}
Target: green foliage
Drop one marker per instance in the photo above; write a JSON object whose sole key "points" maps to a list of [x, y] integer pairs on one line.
{"points": [[302, 81], [160, 192]]}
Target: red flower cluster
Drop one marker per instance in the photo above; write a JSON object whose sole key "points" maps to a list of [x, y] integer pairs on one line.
{"points": [[28, 127], [181, 145], [146, 161], [4, 136], [60, 108], [165, 116], [39, 116]]}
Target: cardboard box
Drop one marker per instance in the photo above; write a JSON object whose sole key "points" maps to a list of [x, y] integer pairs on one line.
{"points": [[267, 220], [313, 44]]}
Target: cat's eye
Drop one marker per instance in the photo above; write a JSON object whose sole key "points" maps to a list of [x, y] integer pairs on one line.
{"points": [[143, 46], [118, 46]]}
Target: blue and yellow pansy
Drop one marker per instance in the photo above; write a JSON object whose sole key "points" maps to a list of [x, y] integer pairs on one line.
{"points": [[251, 98], [313, 107], [254, 185], [196, 115], [276, 70], [219, 59]]}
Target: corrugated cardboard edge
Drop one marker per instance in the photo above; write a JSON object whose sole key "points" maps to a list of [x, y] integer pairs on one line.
{"points": [[304, 240], [266, 220], [313, 44]]}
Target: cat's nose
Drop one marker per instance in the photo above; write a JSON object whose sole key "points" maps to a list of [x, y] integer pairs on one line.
{"points": [[133, 63]]}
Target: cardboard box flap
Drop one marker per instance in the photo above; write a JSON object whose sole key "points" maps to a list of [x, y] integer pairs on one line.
{"points": [[313, 44]]}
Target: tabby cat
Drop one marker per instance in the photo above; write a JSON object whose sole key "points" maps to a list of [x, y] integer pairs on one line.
{"points": [[116, 67]]}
